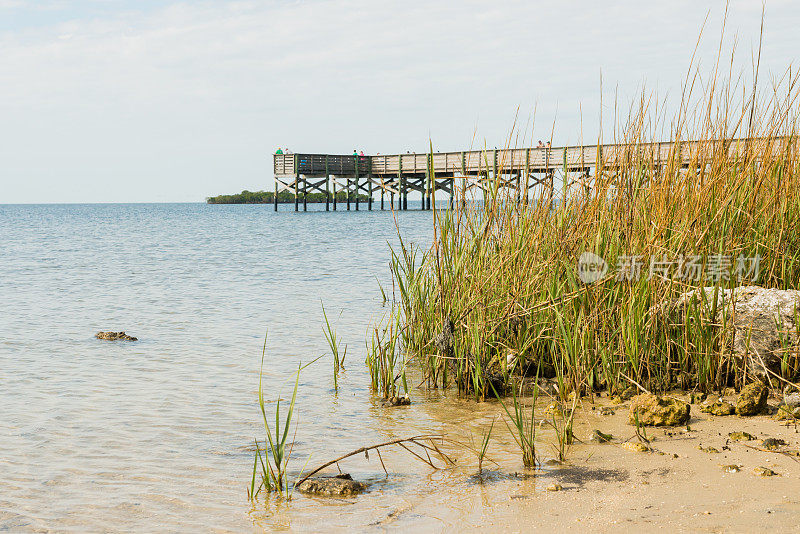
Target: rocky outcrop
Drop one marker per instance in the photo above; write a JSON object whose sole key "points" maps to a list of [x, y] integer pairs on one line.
{"points": [[114, 336], [658, 411], [752, 400], [762, 320], [338, 486]]}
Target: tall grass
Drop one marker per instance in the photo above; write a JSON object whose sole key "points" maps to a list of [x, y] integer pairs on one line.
{"points": [[500, 279]]}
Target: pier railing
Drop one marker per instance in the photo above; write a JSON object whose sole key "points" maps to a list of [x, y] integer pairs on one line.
{"points": [[425, 172]]}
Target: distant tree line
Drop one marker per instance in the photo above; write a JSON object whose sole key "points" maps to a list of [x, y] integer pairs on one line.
{"points": [[284, 197]]}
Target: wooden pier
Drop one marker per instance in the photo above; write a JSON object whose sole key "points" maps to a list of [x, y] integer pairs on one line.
{"points": [[522, 169]]}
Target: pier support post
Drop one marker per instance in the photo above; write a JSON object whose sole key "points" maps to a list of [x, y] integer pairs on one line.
{"points": [[495, 164], [464, 180], [276, 194], [355, 179], [426, 199], [369, 188], [452, 190], [305, 193], [347, 191], [296, 182], [327, 187], [527, 174], [333, 186], [399, 187], [382, 193]]}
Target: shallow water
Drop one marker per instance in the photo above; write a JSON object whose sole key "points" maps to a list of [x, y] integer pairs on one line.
{"points": [[157, 434]]}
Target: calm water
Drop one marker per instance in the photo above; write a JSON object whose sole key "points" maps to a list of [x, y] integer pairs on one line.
{"points": [[112, 435], [157, 435]]}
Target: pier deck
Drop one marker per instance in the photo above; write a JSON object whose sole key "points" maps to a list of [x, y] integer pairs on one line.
{"points": [[520, 168]]}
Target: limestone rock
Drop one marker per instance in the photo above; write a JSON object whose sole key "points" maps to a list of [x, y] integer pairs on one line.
{"points": [[113, 336], [719, 408], [658, 411], [752, 400], [697, 397], [787, 413], [600, 437], [340, 485], [635, 446], [764, 472], [773, 444], [758, 317], [792, 400], [402, 400], [741, 436]]}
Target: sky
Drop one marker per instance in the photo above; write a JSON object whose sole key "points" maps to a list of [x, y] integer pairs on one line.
{"points": [[163, 101]]}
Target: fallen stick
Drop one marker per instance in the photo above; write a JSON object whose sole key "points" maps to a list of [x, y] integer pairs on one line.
{"points": [[416, 440], [785, 453]]}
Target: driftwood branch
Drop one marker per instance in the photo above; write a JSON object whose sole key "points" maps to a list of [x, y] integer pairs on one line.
{"points": [[416, 440], [783, 452]]}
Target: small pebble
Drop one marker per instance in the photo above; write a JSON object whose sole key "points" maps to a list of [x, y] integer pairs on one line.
{"points": [[764, 472], [635, 446], [773, 444], [741, 436], [554, 487]]}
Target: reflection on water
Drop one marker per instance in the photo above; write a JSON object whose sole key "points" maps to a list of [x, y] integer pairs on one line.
{"points": [[158, 434]]}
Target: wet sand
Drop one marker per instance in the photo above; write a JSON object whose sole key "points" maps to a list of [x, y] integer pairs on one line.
{"points": [[605, 488]]}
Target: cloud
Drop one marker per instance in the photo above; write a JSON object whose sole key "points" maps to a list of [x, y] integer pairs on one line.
{"points": [[180, 100]]}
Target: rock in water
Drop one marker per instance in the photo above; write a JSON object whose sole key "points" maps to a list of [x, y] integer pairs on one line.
{"points": [[340, 485], [752, 400], [402, 400], [113, 336], [758, 317], [658, 411]]}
